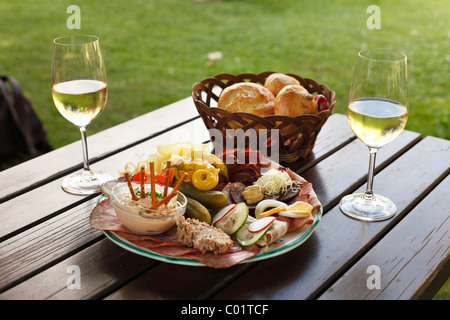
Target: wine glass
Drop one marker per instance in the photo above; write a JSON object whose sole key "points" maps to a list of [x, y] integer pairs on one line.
{"points": [[377, 112], [80, 92]]}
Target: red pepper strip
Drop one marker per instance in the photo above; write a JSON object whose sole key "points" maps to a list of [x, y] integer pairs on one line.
{"points": [[159, 178]]}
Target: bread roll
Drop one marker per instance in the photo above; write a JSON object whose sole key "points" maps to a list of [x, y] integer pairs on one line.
{"points": [[294, 100], [247, 97], [277, 81]]}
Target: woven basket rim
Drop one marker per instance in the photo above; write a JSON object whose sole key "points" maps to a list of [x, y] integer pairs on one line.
{"points": [[246, 75]]}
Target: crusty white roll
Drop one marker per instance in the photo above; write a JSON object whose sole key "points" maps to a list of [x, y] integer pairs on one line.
{"points": [[294, 100], [247, 97], [277, 81]]}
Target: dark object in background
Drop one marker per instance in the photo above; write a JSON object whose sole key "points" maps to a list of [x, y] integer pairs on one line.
{"points": [[21, 131]]}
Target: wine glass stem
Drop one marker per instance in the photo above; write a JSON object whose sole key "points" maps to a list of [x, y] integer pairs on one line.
{"points": [[368, 195], [85, 149]]}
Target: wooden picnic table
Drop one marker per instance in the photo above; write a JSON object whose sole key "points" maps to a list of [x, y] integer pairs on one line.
{"points": [[45, 232]]}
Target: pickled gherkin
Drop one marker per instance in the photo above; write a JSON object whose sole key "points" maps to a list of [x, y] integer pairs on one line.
{"points": [[196, 210], [210, 199]]}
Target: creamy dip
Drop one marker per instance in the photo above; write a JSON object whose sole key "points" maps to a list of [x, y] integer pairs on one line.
{"points": [[137, 215], [143, 205]]}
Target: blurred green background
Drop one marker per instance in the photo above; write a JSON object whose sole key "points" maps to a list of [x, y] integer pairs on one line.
{"points": [[155, 50]]}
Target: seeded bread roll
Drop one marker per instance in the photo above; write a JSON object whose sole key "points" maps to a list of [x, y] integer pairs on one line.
{"points": [[247, 97], [294, 100], [277, 81]]}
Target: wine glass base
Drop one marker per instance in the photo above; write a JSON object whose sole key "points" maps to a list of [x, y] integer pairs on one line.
{"points": [[85, 182], [359, 207]]}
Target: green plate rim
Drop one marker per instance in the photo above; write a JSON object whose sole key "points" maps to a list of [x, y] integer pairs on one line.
{"points": [[303, 235]]}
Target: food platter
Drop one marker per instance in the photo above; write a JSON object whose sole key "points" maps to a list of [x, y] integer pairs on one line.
{"points": [[283, 245], [260, 211]]}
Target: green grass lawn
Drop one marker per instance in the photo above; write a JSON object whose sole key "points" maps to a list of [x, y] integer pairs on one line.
{"points": [[155, 50]]}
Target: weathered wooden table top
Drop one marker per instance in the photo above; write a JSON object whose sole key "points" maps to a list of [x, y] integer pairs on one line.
{"points": [[45, 232]]}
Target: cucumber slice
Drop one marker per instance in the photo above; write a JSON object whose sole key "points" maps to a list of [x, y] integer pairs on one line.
{"points": [[246, 238], [234, 219]]}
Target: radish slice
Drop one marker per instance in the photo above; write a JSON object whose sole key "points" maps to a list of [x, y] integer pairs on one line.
{"points": [[260, 224], [222, 213]]}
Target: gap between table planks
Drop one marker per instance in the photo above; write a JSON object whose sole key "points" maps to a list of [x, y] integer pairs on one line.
{"points": [[37, 214], [33, 206], [233, 272], [336, 244], [220, 272], [36, 263], [407, 257], [67, 159]]}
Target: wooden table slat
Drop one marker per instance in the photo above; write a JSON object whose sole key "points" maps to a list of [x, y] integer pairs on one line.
{"points": [[347, 169], [44, 243], [399, 264], [99, 273], [335, 134], [34, 205]]}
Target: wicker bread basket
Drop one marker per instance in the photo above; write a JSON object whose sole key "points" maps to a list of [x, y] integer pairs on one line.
{"points": [[294, 144]]}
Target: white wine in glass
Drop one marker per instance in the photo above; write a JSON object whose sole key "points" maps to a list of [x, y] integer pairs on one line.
{"points": [[377, 113], [80, 92]]}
